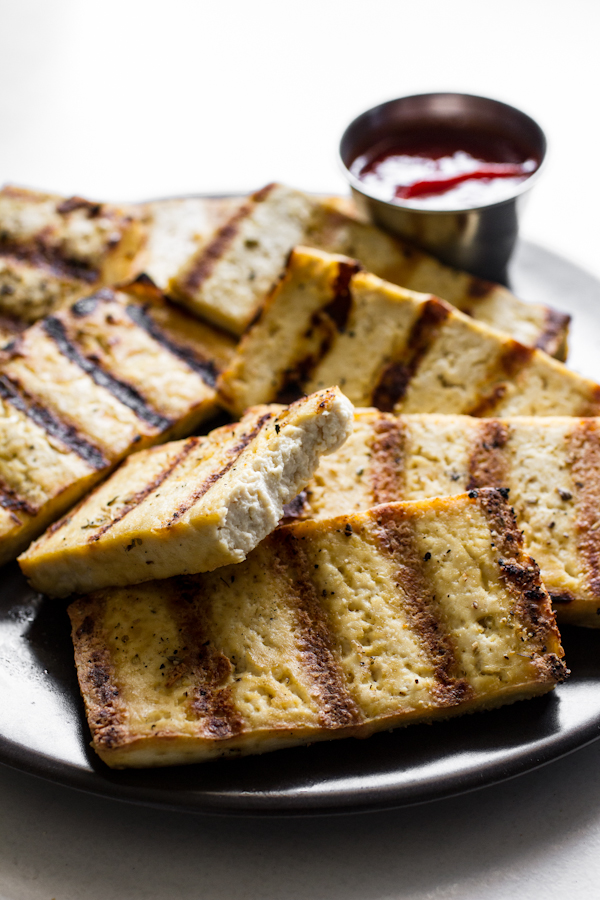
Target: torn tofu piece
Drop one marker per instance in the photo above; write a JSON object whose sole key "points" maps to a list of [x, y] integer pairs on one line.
{"points": [[83, 388], [54, 250], [190, 506], [406, 613], [328, 322], [228, 277], [550, 465]]}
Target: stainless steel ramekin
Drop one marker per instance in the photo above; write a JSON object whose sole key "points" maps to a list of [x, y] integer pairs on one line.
{"points": [[480, 239]]}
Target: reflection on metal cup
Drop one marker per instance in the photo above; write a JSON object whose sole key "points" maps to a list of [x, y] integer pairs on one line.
{"points": [[479, 239]]}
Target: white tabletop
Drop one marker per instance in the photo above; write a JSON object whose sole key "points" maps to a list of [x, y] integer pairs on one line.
{"points": [[131, 99]]}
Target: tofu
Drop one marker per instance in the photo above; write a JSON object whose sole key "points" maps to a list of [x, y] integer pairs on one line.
{"points": [[190, 506], [328, 322], [550, 465], [228, 277], [176, 229], [54, 250], [83, 388], [408, 612]]}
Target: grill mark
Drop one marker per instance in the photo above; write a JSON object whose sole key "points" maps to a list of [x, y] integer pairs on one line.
{"points": [[488, 465], [397, 538], [515, 357], [479, 288], [123, 392], [552, 338], [340, 307], [204, 264], [87, 305], [206, 368], [73, 203], [325, 323], [208, 668], [12, 393], [486, 404], [386, 471], [521, 576], [106, 715], [584, 452], [337, 708], [396, 376], [40, 255], [10, 500], [141, 495], [236, 452]]}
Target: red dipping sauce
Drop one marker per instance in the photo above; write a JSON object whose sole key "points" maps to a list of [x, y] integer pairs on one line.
{"points": [[445, 168]]}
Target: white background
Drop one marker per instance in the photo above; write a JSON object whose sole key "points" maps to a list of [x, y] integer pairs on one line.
{"points": [[132, 100]]}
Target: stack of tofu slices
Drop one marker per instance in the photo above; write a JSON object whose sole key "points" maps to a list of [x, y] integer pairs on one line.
{"points": [[407, 484]]}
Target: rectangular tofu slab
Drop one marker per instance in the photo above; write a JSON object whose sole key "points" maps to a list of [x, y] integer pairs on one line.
{"points": [[406, 613], [228, 277], [551, 466], [54, 250], [190, 506], [328, 322], [83, 388]]}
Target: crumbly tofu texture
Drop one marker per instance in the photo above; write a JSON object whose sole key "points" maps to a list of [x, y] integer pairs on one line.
{"points": [[329, 629], [229, 275], [85, 387], [328, 323], [191, 506], [551, 465]]}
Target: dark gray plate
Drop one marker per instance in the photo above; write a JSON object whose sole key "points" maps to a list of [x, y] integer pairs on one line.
{"points": [[43, 730]]}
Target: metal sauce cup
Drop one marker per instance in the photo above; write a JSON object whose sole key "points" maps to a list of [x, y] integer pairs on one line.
{"points": [[480, 239]]}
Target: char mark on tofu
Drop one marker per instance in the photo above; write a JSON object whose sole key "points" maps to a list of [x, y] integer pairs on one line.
{"points": [[488, 466], [396, 537], [206, 368], [11, 392], [124, 393], [397, 375], [141, 495], [337, 709]]}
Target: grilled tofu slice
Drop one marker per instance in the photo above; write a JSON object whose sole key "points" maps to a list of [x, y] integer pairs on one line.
{"points": [[54, 250], [83, 388], [405, 613], [176, 229], [228, 277], [190, 506], [328, 322], [551, 466]]}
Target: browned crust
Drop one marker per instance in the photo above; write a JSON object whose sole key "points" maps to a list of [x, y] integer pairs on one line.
{"points": [[105, 710], [386, 469], [325, 323], [521, 576], [141, 495], [235, 454], [591, 407], [479, 288], [337, 709], [395, 535], [73, 203], [584, 452], [487, 404], [552, 340], [488, 465], [204, 264], [12, 392], [211, 700], [395, 376]]}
